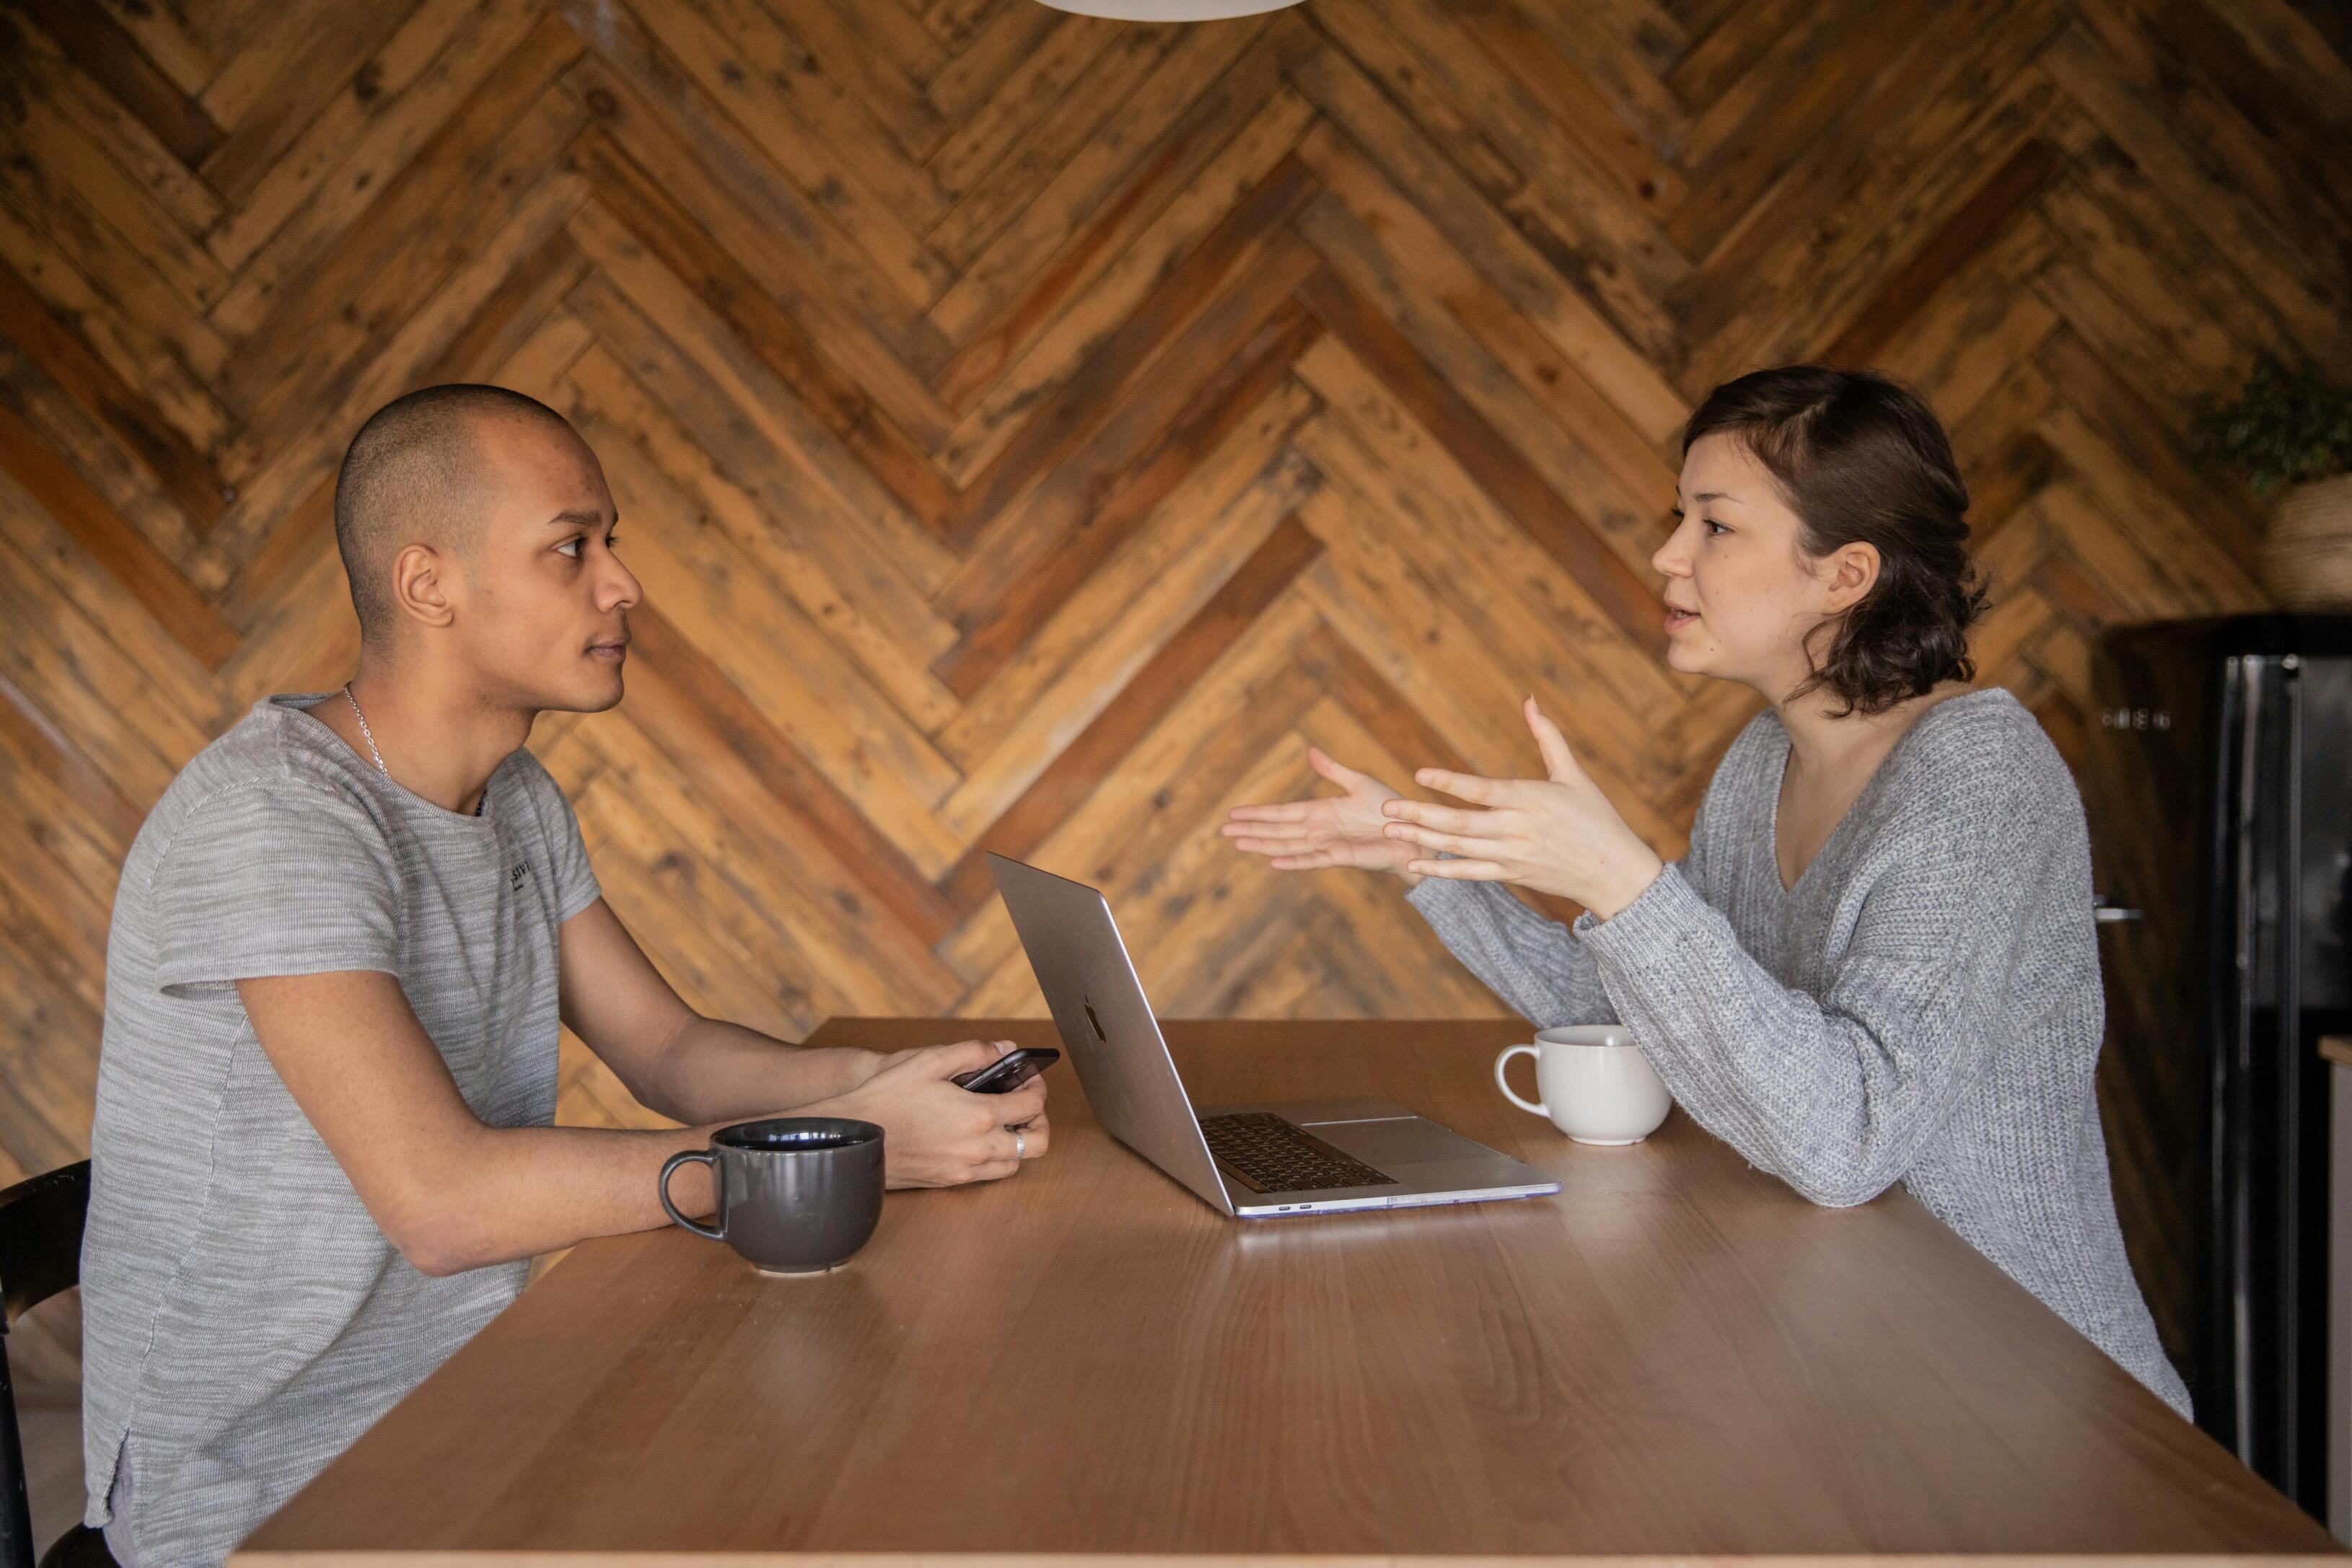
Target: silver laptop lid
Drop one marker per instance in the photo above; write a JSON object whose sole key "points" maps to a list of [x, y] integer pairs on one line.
{"points": [[1105, 1022]]}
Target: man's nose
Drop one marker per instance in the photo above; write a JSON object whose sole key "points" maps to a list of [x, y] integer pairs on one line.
{"points": [[621, 589]]}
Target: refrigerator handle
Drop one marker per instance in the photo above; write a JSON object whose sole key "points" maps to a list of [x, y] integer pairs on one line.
{"points": [[2237, 1174]]}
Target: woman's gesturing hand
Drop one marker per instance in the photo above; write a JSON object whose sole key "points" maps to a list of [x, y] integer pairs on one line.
{"points": [[1558, 834], [1342, 830]]}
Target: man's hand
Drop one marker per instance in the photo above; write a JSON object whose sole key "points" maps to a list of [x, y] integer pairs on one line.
{"points": [[936, 1133]]}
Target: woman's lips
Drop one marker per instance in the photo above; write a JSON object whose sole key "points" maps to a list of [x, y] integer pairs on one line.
{"points": [[1678, 619]]}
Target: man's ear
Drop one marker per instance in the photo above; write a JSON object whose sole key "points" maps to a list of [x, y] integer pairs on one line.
{"points": [[417, 590], [1847, 575]]}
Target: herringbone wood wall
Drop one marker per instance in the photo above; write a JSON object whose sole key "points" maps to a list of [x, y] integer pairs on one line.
{"points": [[1032, 430]]}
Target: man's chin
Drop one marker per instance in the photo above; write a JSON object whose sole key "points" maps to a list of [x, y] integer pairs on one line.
{"points": [[596, 693]]}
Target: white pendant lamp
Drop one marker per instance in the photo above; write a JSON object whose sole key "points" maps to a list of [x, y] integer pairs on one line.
{"points": [[1168, 10]]}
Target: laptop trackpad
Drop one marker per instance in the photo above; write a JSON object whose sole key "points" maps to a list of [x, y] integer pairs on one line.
{"points": [[1399, 1141]]}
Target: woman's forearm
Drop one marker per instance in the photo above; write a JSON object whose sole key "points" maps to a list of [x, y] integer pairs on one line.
{"points": [[1532, 963]]}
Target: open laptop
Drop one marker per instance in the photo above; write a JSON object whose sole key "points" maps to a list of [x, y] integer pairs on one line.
{"points": [[1251, 1161]]}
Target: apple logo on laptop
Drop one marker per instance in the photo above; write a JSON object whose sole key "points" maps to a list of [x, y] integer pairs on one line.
{"points": [[1098, 1023]]}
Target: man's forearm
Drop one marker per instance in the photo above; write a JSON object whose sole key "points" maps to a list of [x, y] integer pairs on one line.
{"points": [[521, 1191], [713, 1071], [516, 1192]]}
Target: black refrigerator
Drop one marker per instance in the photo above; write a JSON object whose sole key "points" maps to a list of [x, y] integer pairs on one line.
{"points": [[2217, 777]]}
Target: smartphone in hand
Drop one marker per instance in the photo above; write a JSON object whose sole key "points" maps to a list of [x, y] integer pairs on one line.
{"points": [[1009, 1072]]}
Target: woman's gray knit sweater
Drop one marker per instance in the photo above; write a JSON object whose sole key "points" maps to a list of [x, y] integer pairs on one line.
{"points": [[1924, 1005]]}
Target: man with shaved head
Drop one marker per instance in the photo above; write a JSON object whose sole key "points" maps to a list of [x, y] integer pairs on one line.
{"points": [[343, 942]]}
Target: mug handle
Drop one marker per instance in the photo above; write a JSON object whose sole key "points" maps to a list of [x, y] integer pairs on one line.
{"points": [[1503, 1082], [707, 1158]]}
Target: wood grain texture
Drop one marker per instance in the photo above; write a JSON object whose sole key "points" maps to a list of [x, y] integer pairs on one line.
{"points": [[1036, 428], [1674, 1358]]}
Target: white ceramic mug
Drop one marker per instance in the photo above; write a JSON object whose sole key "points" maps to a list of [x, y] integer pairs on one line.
{"points": [[1596, 1086]]}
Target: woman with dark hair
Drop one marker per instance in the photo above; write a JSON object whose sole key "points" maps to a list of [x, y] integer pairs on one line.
{"points": [[1876, 962]]}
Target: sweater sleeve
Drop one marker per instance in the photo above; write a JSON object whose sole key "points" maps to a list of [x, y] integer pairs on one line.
{"points": [[1534, 964], [1837, 1093], [1547, 976]]}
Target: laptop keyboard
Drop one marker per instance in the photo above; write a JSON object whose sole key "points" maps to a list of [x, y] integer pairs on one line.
{"points": [[1269, 1155]]}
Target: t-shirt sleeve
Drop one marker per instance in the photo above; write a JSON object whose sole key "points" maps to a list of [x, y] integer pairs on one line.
{"points": [[273, 878], [567, 854]]}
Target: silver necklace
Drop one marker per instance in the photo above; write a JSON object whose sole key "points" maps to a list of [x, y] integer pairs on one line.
{"points": [[365, 732], [369, 735]]}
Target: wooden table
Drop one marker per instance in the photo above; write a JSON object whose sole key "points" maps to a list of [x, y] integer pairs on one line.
{"points": [[1676, 1356]]}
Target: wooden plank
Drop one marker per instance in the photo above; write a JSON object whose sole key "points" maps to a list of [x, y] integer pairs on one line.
{"points": [[67, 252], [42, 70], [856, 56], [1008, 184], [309, 65], [864, 358], [998, 62], [1103, 693], [706, 700], [2010, 190], [163, 444], [709, 152], [2141, 437], [122, 207], [1631, 525], [750, 458], [1075, 773], [2232, 113], [730, 610], [1607, 238], [325, 324], [844, 407], [1517, 270], [1157, 544], [1055, 341], [1247, 254], [832, 477], [1500, 468], [1630, 471], [310, 456], [2311, 300], [96, 41], [1239, 393], [749, 69], [166, 41], [1000, 88], [1951, 65], [149, 577], [767, 537], [718, 808], [315, 195], [1169, 102], [1253, 670], [1838, 265]]}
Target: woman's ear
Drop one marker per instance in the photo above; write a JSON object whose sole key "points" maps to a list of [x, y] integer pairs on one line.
{"points": [[1847, 574]]}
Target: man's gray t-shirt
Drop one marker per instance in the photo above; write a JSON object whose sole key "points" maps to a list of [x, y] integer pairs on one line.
{"points": [[244, 1319]]}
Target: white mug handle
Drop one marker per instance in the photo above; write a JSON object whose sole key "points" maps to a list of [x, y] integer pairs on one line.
{"points": [[1503, 1082]]}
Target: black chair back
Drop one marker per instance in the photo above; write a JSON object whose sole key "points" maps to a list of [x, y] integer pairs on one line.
{"points": [[41, 1222]]}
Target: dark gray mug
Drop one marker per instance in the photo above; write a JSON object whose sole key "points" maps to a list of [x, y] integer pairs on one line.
{"points": [[797, 1194]]}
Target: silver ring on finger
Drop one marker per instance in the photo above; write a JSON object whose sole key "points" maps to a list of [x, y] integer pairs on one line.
{"points": [[1019, 1144]]}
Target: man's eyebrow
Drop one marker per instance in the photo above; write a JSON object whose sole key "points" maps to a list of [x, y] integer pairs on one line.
{"points": [[578, 518]]}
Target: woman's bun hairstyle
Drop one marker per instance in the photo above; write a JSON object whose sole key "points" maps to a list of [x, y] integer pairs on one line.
{"points": [[1861, 459]]}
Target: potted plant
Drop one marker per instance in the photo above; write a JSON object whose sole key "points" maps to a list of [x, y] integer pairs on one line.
{"points": [[2290, 434]]}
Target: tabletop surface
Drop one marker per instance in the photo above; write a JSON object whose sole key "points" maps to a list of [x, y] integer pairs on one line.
{"points": [[1676, 1356]]}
